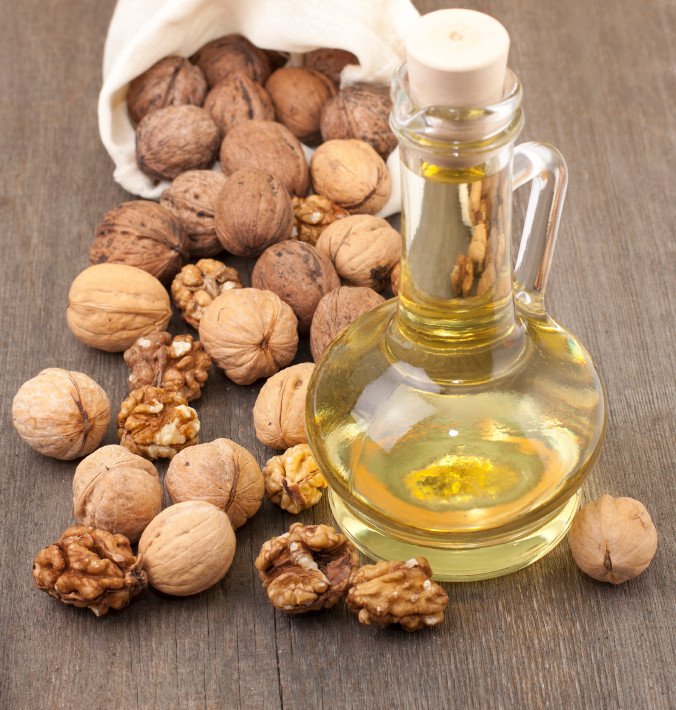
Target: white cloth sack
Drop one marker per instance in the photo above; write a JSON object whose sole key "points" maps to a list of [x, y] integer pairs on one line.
{"points": [[143, 31]]}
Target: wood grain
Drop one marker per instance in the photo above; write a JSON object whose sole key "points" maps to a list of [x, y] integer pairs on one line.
{"points": [[599, 81]]}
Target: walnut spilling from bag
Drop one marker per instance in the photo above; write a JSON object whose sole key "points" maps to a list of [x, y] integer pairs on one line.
{"points": [[397, 593], [307, 568], [178, 365], [197, 285], [293, 481], [156, 423], [311, 215], [90, 568]]}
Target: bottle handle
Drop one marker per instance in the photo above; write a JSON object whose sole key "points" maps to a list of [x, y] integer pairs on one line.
{"points": [[542, 165]]}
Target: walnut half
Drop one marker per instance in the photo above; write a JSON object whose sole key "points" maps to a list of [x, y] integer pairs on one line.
{"points": [[293, 480]]}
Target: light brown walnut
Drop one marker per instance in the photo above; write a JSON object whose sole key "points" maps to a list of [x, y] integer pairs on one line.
{"points": [[329, 61], [238, 98], [232, 54], [293, 480], [395, 279], [312, 214]]}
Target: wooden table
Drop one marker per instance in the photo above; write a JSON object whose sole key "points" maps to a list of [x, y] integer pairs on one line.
{"points": [[599, 84]]}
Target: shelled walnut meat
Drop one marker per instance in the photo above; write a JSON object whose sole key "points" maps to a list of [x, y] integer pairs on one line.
{"points": [[311, 215], [197, 285], [238, 98], [90, 568], [249, 334], [177, 364], [229, 55], [173, 81], [329, 61], [191, 198], [61, 413], [306, 569], [222, 473], [293, 481], [397, 593], [143, 234], [298, 274], [157, 424]]}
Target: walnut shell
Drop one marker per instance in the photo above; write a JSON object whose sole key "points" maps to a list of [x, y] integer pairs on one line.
{"points": [[395, 279], [298, 274], [61, 413], [336, 311], [173, 81], [364, 249], [238, 98], [229, 55], [192, 198], [270, 147], [142, 234], [174, 139], [329, 61], [187, 548], [222, 473], [110, 306], [298, 95], [116, 491], [277, 59], [279, 412], [252, 212], [360, 111], [351, 174], [249, 334]]}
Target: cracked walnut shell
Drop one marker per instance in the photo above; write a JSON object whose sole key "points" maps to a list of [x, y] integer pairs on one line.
{"points": [[177, 364], [220, 472], [61, 413], [307, 568], [312, 214], [157, 424], [238, 98], [90, 568], [232, 54], [293, 480], [397, 593]]}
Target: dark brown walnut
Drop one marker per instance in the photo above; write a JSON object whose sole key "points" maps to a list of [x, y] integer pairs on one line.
{"points": [[298, 95], [141, 234], [293, 480], [176, 364], [336, 311], [329, 61], [191, 198], [298, 274], [156, 423], [238, 98], [311, 215], [175, 139], [173, 81], [270, 147], [229, 55], [307, 568], [397, 593], [90, 568], [360, 111], [253, 211], [197, 285], [277, 59], [395, 279]]}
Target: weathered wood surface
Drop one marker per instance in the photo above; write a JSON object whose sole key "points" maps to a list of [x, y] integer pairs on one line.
{"points": [[599, 80]]}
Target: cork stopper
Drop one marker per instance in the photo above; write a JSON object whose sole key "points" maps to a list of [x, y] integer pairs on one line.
{"points": [[456, 58]]}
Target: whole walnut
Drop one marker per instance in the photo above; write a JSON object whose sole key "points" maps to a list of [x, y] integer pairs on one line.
{"points": [[270, 147], [90, 568], [360, 111], [174, 139], [197, 285], [187, 548], [293, 480], [363, 248], [298, 95], [229, 55], [60, 413], [279, 411], [298, 274], [329, 61], [141, 233], [249, 334], [222, 473], [110, 306], [312, 214], [395, 279], [276, 59], [117, 491], [252, 212], [238, 98], [351, 174], [191, 198], [336, 311], [173, 81]]}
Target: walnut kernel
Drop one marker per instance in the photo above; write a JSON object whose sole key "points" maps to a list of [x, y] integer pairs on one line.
{"points": [[293, 480], [312, 214]]}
